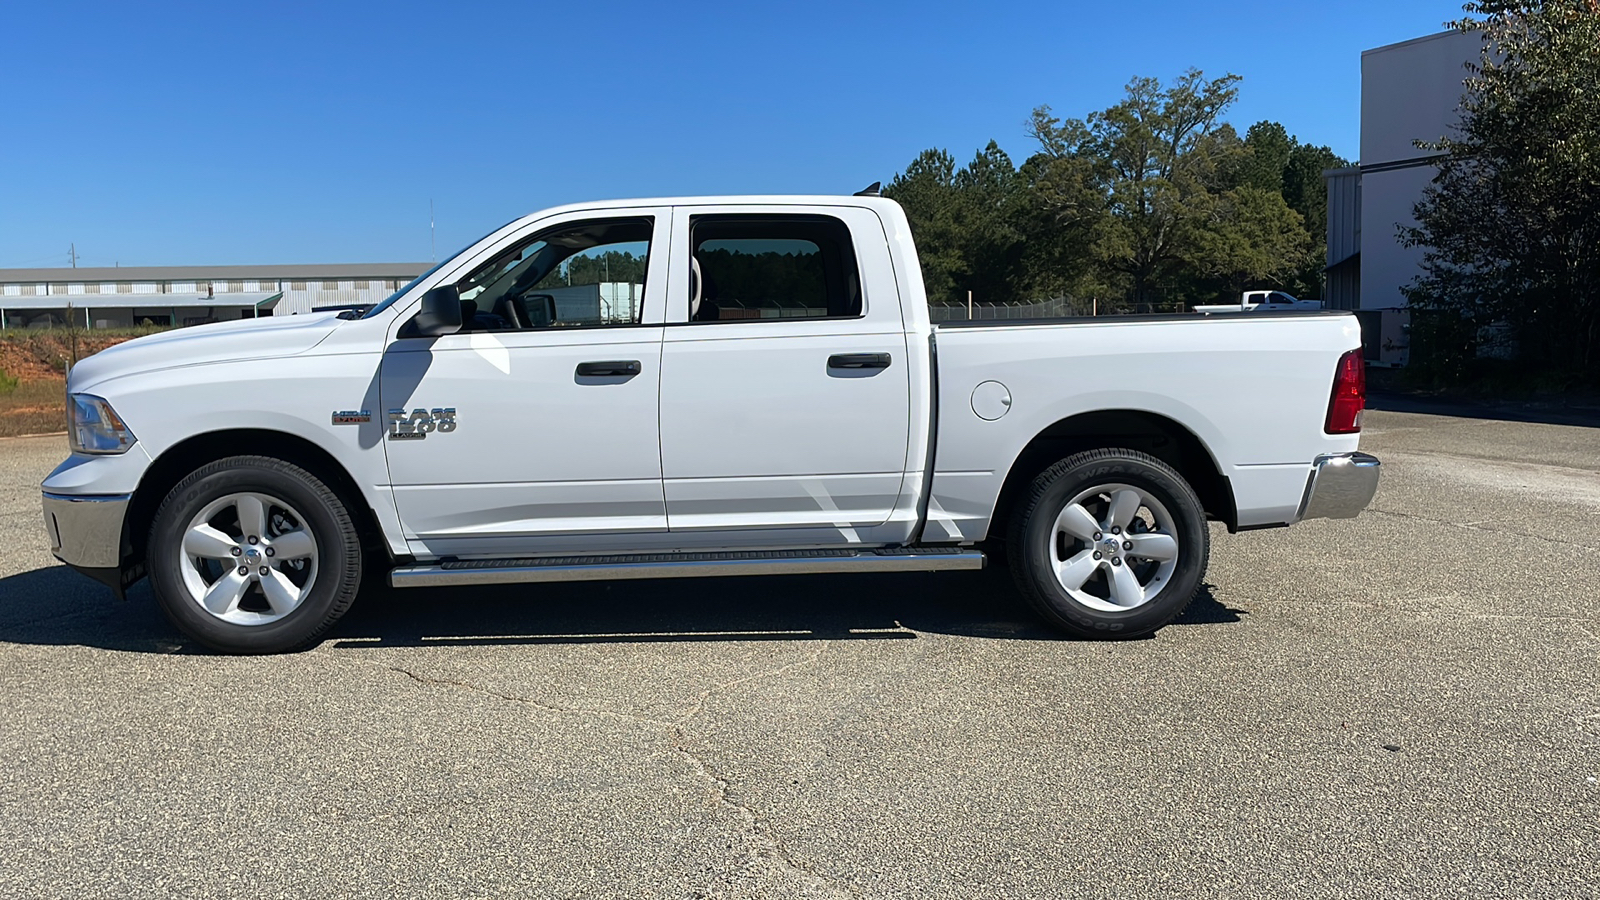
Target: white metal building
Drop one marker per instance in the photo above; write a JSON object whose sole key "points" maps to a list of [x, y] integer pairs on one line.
{"points": [[1410, 91], [179, 295]]}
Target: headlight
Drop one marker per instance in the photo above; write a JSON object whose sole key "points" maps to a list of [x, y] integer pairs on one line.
{"points": [[94, 427]]}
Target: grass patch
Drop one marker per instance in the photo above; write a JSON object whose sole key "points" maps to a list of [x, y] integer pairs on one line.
{"points": [[35, 406], [33, 367]]}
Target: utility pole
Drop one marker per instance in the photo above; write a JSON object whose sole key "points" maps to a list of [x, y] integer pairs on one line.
{"points": [[969, 306], [72, 333], [72, 253]]}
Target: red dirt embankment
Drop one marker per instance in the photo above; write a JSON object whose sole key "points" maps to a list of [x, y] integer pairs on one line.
{"points": [[43, 355], [35, 401]]}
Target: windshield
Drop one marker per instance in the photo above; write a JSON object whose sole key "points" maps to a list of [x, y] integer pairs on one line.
{"points": [[389, 300]]}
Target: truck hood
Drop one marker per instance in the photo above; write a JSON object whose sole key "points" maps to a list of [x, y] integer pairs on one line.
{"points": [[267, 338]]}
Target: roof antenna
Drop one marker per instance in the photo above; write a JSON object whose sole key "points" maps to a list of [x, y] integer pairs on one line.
{"points": [[874, 189]]}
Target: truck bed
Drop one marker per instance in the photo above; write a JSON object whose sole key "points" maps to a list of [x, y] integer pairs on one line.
{"points": [[1253, 391]]}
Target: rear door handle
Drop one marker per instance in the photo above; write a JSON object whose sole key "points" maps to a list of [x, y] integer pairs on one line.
{"points": [[858, 361], [627, 367]]}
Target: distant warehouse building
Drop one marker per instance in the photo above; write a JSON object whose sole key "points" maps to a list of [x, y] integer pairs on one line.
{"points": [[122, 297], [1410, 92]]}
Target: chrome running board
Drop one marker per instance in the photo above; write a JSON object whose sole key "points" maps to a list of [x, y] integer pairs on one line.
{"points": [[683, 565]]}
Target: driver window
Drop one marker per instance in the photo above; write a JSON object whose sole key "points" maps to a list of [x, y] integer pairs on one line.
{"points": [[576, 275]]}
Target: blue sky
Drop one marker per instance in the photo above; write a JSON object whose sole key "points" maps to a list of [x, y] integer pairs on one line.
{"points": [[215, 133]]}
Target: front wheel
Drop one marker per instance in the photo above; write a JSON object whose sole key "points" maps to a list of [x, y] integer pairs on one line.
{"points": [[253, 555], [1109, 544]]}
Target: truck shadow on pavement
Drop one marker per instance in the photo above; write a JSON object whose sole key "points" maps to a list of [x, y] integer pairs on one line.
{"points": [[56, 606]]}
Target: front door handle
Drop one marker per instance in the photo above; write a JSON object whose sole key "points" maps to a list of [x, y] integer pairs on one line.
{"points": [[625, 367], [858, 361]]}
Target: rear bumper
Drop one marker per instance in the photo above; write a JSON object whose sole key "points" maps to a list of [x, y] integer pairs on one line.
{"points": [[1340, 486]]}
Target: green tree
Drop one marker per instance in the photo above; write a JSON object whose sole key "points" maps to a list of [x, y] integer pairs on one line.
{"points": [[1278, 162], [969, 223], [926, 190], [1269, 148], [1157, 157], [1253, 237], [1511, 225]]}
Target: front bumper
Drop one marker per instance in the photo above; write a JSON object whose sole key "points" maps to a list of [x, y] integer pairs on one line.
{"points": [[1340, 487], [87, 533]]}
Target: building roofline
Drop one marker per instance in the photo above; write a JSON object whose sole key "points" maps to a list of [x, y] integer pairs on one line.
{"points": [[1417, 40], [260, 299], [236, 273]]}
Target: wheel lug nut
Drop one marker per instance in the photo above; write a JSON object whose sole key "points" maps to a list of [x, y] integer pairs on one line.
{"points": [[1116, 560], [1097, 535], [1116, 529], [1126, 545], [1097, 554], [263, 570], [236, 551], [243, 570], [254, 539], [270, 551]]}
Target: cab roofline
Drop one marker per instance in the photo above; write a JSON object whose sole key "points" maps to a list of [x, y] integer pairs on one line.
{"points": [[719, 200]]}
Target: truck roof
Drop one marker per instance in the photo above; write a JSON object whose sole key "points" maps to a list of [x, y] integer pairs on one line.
{"points": [[729, 200]]}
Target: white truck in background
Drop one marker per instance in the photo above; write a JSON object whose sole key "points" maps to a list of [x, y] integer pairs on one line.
{"points": [[777, 402], [1262, 301]]}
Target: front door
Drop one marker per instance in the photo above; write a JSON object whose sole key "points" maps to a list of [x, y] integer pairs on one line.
{"points": [[535, 428], [785, 390]]}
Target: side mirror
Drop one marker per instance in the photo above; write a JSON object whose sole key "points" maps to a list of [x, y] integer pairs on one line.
{"points": [[541, 310], [440, 314]]}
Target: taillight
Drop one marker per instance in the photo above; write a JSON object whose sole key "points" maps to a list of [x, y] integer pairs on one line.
{"points": [[1349, 395]]}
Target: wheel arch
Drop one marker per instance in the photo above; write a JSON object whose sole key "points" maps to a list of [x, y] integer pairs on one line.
{"points": [[179, 460], [1160, 436]]}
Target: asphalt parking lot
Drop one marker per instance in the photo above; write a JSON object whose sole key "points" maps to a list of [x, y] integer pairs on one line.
{"points": [[1404, 704]]}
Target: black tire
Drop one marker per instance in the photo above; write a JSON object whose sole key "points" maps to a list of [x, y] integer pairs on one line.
{"points": [[338, 566], [1033, 550]]}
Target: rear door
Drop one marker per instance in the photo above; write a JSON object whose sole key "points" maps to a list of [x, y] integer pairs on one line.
{"points": [[535, 429], [785, 389]]}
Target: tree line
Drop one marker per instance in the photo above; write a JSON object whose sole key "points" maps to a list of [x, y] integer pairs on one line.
{"points": [[1155, 202]]}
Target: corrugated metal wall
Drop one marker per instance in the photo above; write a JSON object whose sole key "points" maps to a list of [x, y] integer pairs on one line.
{"points": [[1344, 214], [1343, 289], [298, 296]]}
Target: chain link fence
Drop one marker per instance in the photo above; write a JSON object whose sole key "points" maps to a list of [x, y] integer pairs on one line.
{"points": [[1057, 308]]}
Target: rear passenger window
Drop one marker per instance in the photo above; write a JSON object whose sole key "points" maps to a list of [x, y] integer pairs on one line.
{"points": [[772, 267]]}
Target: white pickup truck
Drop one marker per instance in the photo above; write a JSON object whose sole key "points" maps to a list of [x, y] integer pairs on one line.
{"points": [[687, 387], [1263, 301]]}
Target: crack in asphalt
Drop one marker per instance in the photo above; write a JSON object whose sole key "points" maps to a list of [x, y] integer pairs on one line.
{"points": [[700, 703], [766, 850], [767, 853], [528, 701]]}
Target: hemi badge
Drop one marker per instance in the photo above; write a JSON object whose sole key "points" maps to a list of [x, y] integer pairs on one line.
{"points": [[352, 417]]}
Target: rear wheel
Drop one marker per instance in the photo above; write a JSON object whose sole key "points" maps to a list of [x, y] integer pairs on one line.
{"points": [[1109, 544], [253, 555]]}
